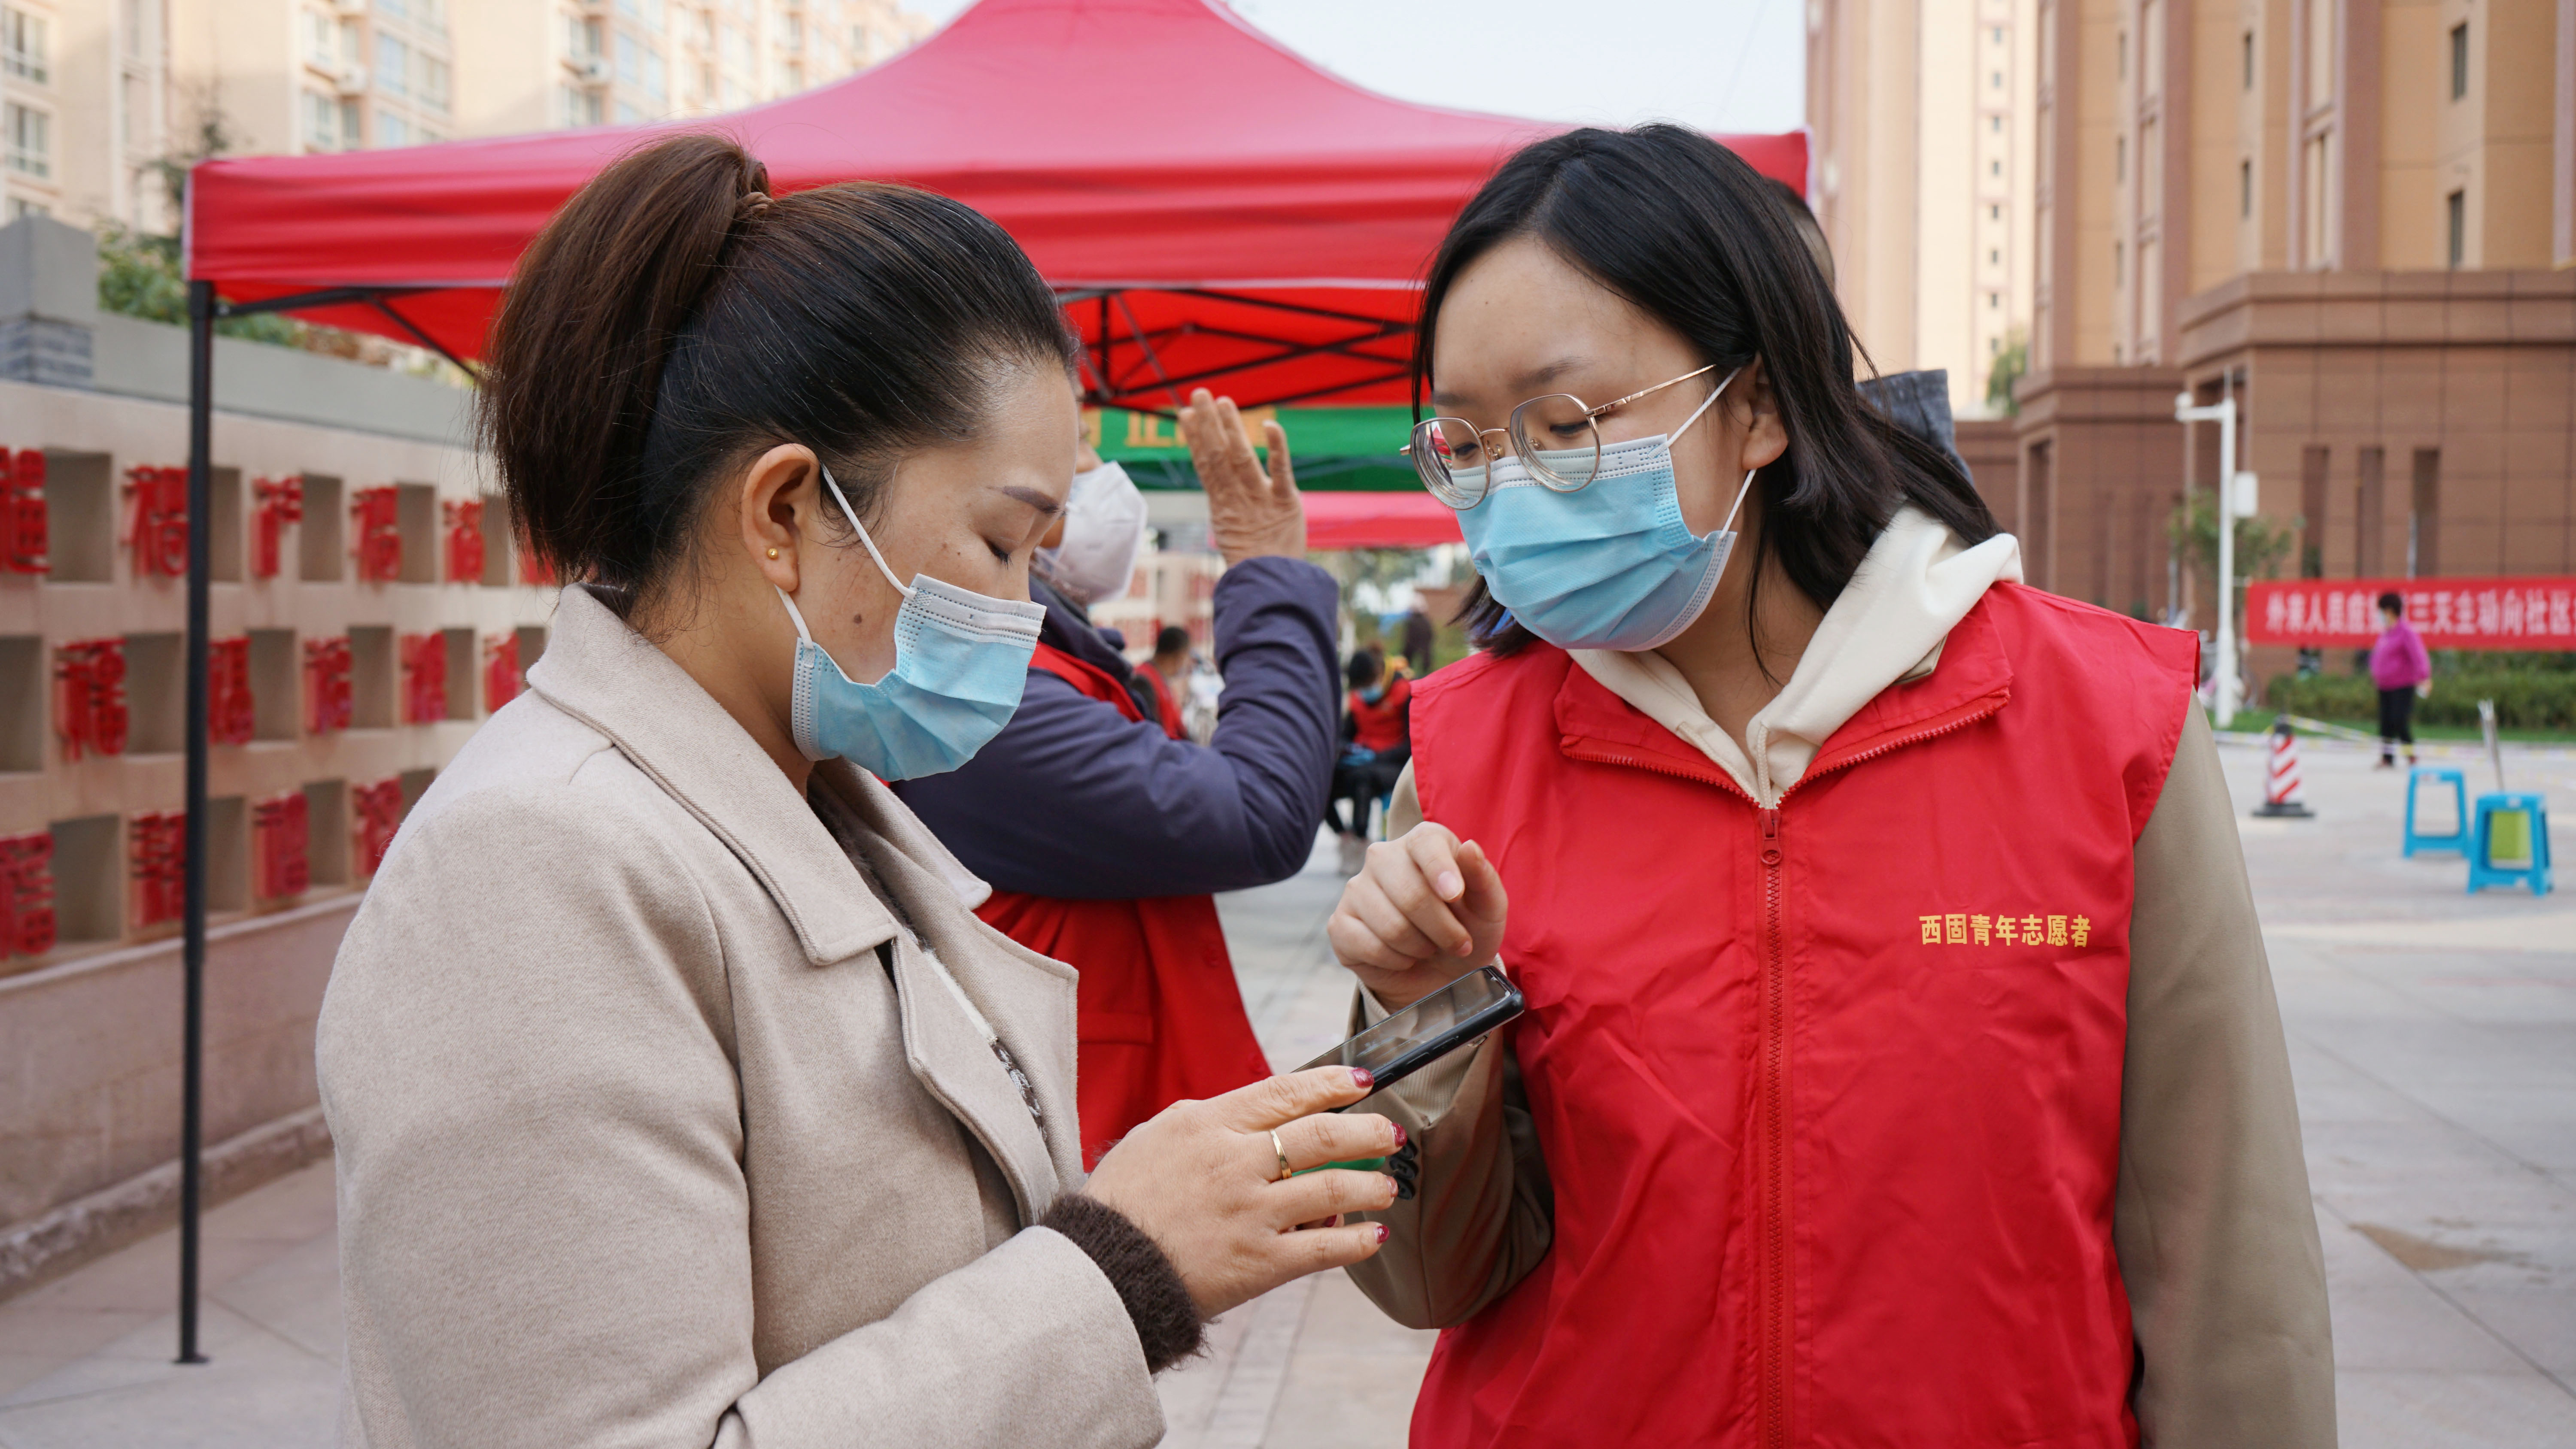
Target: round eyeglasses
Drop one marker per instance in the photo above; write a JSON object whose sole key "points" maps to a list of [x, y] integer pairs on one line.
{"points": [[1557, 436]]}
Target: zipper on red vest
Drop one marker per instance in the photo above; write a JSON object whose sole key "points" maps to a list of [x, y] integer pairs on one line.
{"points": [[1772, 1247]]}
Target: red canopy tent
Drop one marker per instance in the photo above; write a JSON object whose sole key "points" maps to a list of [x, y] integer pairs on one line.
{"points": [[1229, 214]]}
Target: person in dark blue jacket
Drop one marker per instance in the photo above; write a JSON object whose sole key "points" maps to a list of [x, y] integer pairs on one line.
{"points": [[1103, 834]]}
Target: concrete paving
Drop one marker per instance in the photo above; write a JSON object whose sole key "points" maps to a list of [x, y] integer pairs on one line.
{"points": [[2433, 1035]]}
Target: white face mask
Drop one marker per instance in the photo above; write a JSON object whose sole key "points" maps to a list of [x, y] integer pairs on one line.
{"points": [[1104, 530]]}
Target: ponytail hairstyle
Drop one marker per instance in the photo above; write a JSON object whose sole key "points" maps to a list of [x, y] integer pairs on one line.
{"points": [[1683, 229], [675, 320]]}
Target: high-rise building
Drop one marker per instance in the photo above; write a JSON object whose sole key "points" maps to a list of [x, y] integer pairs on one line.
{"points": [[99, 99], [537, 66], [2355, 218], [1921, 111], [84, 109]]}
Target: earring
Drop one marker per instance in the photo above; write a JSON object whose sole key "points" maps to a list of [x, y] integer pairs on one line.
{"points": [[773, 553]]}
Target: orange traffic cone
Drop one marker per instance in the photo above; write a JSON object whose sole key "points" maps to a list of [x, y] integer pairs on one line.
{"points": [[2281, 784]]}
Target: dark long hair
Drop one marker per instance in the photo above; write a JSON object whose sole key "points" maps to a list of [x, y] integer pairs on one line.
{"points": [[1685, 230], [674, 318]]}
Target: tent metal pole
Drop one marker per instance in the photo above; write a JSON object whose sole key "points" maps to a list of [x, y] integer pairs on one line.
{"points": [[201, 554]]}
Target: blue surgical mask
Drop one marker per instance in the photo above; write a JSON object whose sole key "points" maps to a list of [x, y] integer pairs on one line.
{"points": [[960, 661], [1610, 565]]}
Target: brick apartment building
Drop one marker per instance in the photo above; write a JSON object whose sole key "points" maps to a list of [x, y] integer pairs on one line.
{"points": [[2357, 217]]}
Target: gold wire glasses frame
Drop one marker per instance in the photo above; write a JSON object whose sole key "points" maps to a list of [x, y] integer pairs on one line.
{"points": [[1439, 443]]}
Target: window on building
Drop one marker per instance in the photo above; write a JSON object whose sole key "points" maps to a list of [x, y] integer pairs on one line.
{"points": [[581, 107], [2456, 217], [581, 36], [657, 78], [792, 36], [1995, 168], [627, 115], [433, 83], [23, 46], [2460, 61], [1994, 256], [21, 206], [321, 40], [1998, 82], [1994, 301], [2120, 158], [31, 141], [2119, 265], [2318, 196], [1995, 124], [395, 8], [2124, 55], [321, 122], [630, 59], [2244, 188], [1994, 213], [392, 129], [2248, 49], [393, 65]]}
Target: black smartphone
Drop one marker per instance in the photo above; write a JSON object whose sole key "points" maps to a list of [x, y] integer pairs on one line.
{"points": [[1456, 1015]]}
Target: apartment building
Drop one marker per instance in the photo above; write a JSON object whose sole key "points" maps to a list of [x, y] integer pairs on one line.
{"points": [[2357, 218], [538, 66], [84, 109], [1922, 116], [98, 97]]}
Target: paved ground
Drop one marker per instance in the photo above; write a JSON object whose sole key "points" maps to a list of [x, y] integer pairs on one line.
{"points": [[2433, 1033]]}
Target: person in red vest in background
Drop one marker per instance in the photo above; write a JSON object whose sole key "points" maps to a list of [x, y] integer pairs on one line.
{"points": [[1376, 745], [1104, 830]]}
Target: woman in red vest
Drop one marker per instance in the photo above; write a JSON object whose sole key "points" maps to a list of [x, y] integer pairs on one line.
{"points": [[1901, 1064]]}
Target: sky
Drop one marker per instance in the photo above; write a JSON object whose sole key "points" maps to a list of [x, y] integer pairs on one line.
{"points": [[1717, 65]]}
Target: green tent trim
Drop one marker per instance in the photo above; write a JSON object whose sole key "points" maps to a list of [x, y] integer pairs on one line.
{"points": [[1336, 449]]}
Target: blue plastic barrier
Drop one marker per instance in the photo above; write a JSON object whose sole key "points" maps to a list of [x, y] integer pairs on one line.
{"points": [[2519, 825], [2455, 839]]}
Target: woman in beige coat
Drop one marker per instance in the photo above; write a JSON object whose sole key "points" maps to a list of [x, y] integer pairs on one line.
{"points": [[680, 1097]]}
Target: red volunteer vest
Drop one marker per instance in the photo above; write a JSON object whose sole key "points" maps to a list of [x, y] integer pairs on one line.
{"points": [[1829, 1093], [1158, 1015]]}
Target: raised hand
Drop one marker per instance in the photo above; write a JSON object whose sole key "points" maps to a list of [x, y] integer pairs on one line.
{"points": [[1425, 910], [1252, 513]]}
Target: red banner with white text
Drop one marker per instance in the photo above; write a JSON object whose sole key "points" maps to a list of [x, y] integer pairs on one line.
{"points": [[2537, 612]]}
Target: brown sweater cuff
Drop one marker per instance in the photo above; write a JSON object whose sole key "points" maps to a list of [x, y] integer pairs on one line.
{"points": [[1167, 1322]]}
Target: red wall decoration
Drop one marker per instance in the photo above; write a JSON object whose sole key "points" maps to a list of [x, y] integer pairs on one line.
{"points": [[424, 666], [229, 716], [26, 894], [281, 502], [502, 680], [157, 849], [158, 528], [23, 531], [464, 541], [281, 840], [377, 513], [89, 698], [379, 810], [327, 701]]}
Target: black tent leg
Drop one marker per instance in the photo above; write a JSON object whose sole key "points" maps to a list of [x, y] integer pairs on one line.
{"points": [[201, 554]]}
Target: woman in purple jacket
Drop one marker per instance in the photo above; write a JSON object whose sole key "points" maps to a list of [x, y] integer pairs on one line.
{"points": [[2399, 666]]}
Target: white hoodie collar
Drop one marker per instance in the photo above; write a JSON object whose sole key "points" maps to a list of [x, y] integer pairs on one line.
{"points": [[1917, 582]]}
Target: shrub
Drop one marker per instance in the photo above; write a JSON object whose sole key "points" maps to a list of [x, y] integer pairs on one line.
{"points": [[2526, 698]]}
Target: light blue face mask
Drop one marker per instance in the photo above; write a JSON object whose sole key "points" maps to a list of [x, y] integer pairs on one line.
{"points": [[960, 661], [1610, 565]]}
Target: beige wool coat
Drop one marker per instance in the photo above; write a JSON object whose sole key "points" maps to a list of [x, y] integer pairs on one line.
{"points": [[657, 1128]]}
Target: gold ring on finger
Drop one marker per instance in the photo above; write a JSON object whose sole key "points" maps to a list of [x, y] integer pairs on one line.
{"points": [[1283, 1156]]}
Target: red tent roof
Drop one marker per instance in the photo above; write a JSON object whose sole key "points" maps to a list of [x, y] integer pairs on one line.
{"points": [[1212, 206]]}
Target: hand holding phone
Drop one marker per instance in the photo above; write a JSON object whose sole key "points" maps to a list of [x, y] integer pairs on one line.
{"points": [[1425, 910], [1405, 1042]]}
